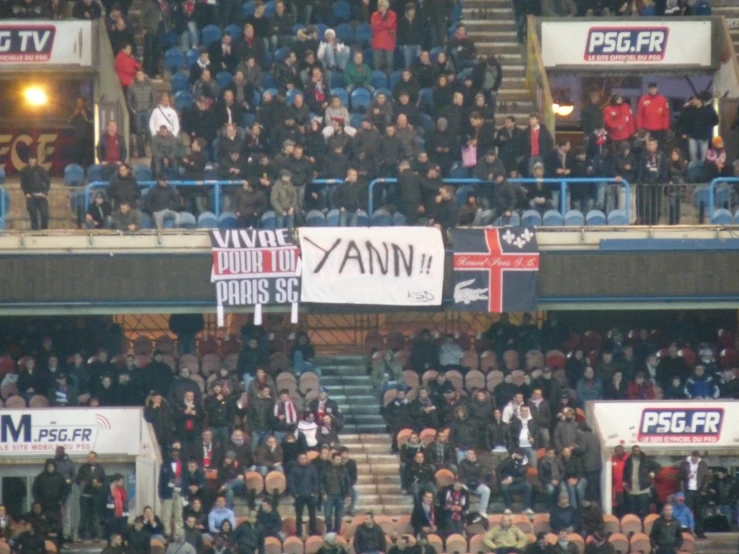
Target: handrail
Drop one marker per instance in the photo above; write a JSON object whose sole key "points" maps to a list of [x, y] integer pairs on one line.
{"points": [[562, 188], [712, 188], [534, 66], [216, 184]]}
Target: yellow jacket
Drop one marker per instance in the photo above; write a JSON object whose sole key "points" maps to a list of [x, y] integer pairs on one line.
{"points": [[512, 537]]}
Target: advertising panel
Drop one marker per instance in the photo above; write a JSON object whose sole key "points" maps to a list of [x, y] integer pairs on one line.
{"points": [[46, 43]]}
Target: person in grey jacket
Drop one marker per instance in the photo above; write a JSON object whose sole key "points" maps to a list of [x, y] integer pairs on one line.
{"points": [[284, 200], [66, 468], [142, 99], [589, 449], [162, 202], [179, 545], [164, 150], [551, 474], [565, 433]]}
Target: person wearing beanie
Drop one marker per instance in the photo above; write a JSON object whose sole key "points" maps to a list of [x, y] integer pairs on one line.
{"points": [[683, 514], [716, 160]]}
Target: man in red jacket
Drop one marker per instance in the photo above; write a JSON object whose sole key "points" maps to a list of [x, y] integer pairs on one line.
{"points": [[618, 462], [384, 23], [619, 119], [125, 66], [653, 114]]}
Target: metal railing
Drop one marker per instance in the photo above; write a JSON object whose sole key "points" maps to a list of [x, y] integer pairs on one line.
{"points": [[712, 193], [563, 183]]}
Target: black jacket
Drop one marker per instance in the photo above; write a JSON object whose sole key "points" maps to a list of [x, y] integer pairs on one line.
{"points": [[51, 489], [86, 474], [666, 533], [515, 432], [697, 123], [124, 189], [335, 481], [35, 180], [303, 480], [102, 148], [546, 142], [369, 539], [161, 198], [647, 465]]}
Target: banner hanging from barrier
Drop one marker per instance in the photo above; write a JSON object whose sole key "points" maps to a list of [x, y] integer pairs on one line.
{"points": [[495, 270], [668, 425], [254, 267], [45, 43], [596, 43], [387, 266]]}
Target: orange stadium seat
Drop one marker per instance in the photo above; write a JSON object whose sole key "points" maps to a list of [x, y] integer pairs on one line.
{"points": [[523, 523], [620, 542], [293, 545], [476, 544], [436, 543], [456, 544], [640, 543], [313, 544], [272, 546], [630, 524], [254, 482], [611, 523], [649, 521], [541, 524], [403, 436], [275, 481]]}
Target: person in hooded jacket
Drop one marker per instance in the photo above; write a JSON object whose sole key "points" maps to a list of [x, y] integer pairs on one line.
{"points": [[124, 187], [462, 432], [51, 489], [700, 385], [682, 512], [618, 119]]}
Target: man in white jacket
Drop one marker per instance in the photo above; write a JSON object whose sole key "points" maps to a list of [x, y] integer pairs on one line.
{"points": [[164, 114]]}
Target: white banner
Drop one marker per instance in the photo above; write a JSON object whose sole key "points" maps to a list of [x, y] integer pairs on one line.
{"points": [[388, 266], [668, 424], [107, 431], [46, 43], [657, 43]]}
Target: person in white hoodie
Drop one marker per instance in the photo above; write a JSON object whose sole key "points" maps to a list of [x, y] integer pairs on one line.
{"points": [[332, 53], [309, 428], [513, 408], [164, 114]]}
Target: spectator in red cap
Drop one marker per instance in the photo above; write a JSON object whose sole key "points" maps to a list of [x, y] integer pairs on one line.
{"points": [[384, 24], [653, 113]]}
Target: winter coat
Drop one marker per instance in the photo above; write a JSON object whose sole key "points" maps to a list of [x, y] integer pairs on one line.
{"points": [[697, 122], [682, 512], [384, 30], [646, 466], [283, 197], [701, 477], [653, 113], [619, 121]]}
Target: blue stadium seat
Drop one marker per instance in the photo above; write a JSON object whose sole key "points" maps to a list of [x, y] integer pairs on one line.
{"points": [[94, 173], [427, 124], [228, 220], [2, 175], [170, 40], [368, 56], [233, 30], [701, 195], [211, 174], [434, 53], [341, 93], [142, 172], [272, 91], [531, 218], [362, 219], [399, 219], [363, 35], [736, 217], [722, 196], [722, 216], [381, 218], [703, 8], [552, 218], [183, 100], [267, 59], [281, 54], [315, 218], [574, 218], [290, 96], [248, 120], [180, 81], [459, 172], [345, 33], [337, 79], [395, 76], [74, 175], [617, 217], [209, 35], [452, 29], [146, 222], [341, 11], [696, 172], [487, 217], [385, 91], [355, 120], [513, 221], [426, 100], [174, 60], [188, 221], [297, 27], [224, 79], [207, 220], [332, 218], [595, 218], [191, 56], [462, 193], [361, 100], [268, 81], [456, 14], [268, 220], [269, 9]]}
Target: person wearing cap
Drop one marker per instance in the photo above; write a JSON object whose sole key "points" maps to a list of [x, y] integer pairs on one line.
{"points": [[716, 161], [98, 211], [162, 201], [694, 482], [35, 184], [653, 113], [284, 200], [565, 432], [332, 53], [324, 405]]}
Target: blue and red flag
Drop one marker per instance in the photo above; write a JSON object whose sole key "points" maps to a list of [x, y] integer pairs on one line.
{"points": [[495, 270]]}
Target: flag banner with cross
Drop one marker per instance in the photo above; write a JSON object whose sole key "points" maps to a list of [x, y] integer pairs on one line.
{"points": [[495, 270]]}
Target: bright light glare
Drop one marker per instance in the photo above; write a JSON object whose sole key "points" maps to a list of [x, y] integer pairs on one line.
{"points": [[36, 96]]}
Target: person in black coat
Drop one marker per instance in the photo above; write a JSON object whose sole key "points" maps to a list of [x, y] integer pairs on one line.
{"points": [[537, 142], [651, 175], [228, 111], [35, 184], [696, 123], [397, 414], [487, 76], [50, 488], [302, 484], [159, 413], [222, 55], [425, 516]]}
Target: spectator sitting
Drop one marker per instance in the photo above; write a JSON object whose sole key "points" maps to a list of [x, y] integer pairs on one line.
{"points": [[406, 84], [162, 202], [472, 474], [443, 213], [716, 160], [512, 474], [424, 518], [97, 212], [268, 456], [337, 112], [505, 537], [164, 153], [86, 9], [125, 218], [699, 385], [201, 64], [589, 387], [541, 545], [682, 512], [564, 545], [563, 516], [332, 53], [206, 87], [250, 205], [640, 388], [369, 537], [461, 49]]}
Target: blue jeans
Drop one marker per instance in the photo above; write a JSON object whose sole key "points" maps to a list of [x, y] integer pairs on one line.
{"points": [[334, 504], [697, 149], [189, 37], [550, 492], [279, 435], [384, 60], [236, 486], [285, 221], [411, 53], [142, 132], [484, 492], [333, 60], [257, 437], [576, 492], [355, 497], [220, 433], [516, 486], [301, 365], [461, 454], [347, 219], [264, 470]]}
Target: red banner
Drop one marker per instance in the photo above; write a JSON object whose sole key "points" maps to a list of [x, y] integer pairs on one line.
{"points": [[52, 146]]}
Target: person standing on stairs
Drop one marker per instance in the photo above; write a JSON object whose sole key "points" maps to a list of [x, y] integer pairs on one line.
{"points": [[351, 468], [693, 476], [336, 487], [35, 183], [302, 484]]}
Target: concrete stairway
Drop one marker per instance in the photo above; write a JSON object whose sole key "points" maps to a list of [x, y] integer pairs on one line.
{"points": [[495, 33]]}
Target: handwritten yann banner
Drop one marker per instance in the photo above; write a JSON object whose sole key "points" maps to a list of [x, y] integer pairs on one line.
{"points": [[254, 267], [396, 266], [495, 270]]}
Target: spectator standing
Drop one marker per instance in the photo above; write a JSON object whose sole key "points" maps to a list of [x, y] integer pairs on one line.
{"points": [[588, 448], [66, 468], [164, 114], [591, 116], [126, 66], [537, 142], [335, 487], [82, 122], [693, 477], [651, 174], [141, 98], [618, 465], [653, 113], [91, 479], [35, 184], [170, 490], [51, 489], [666, 536], [384, 25], [619, 119], [487, 76], [151, 19], [682, 513], [638, 473], [302, 483], [696, 123], [111, 150], [574, 482], [410, 35]]}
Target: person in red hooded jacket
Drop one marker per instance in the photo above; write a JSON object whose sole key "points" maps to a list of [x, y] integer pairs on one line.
{"points": [[384, 23], [619, 119], [618, 462], [653, 113], [125, 66]]}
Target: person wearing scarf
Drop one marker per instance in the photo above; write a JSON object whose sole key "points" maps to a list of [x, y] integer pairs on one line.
{"points": [[286, 416]]}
